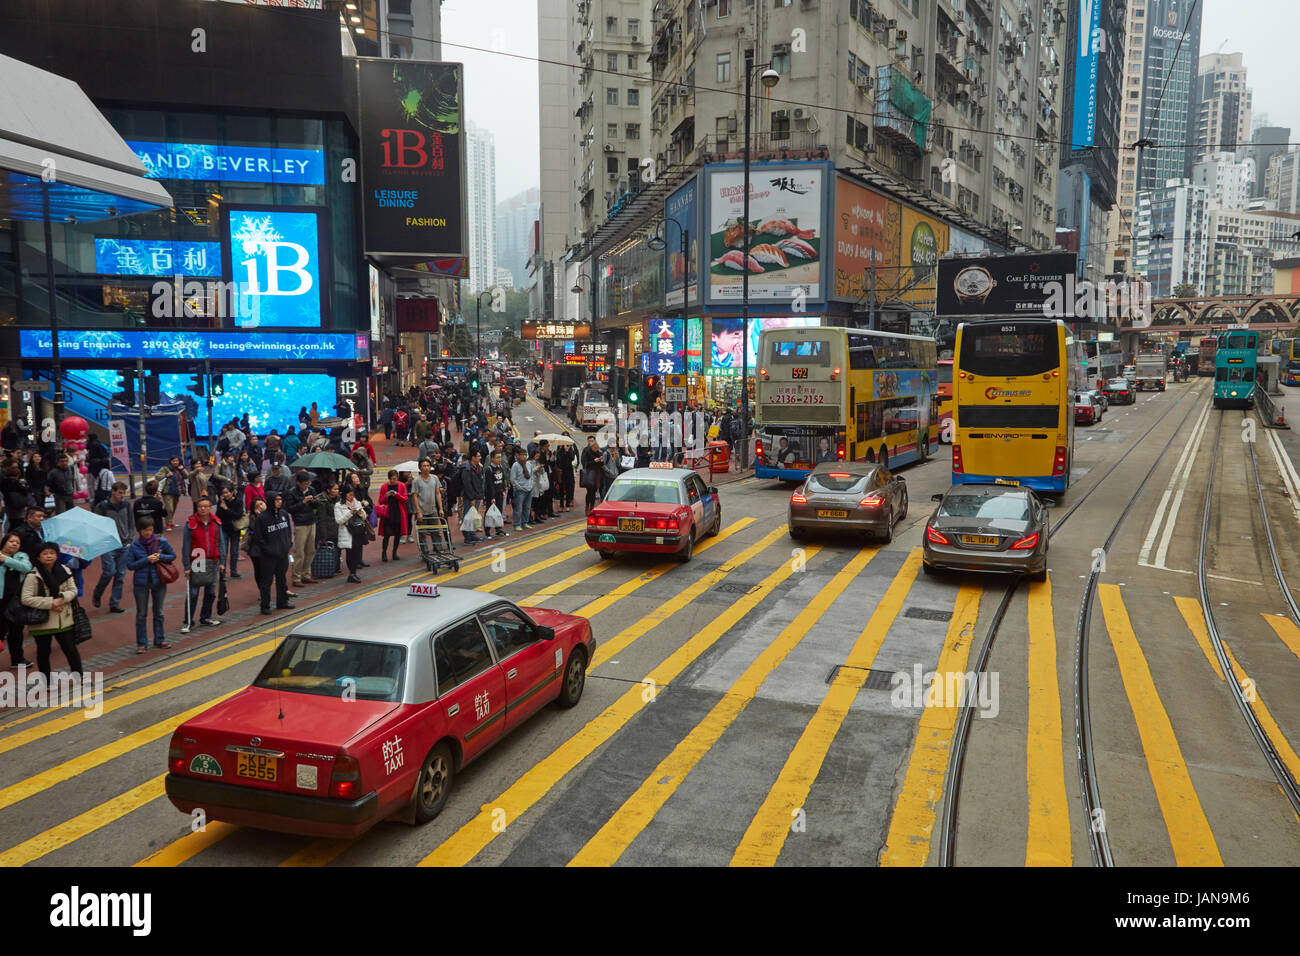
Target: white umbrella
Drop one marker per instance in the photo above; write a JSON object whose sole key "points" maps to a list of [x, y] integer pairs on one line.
{"points": [[407, 466], [555, 439]]}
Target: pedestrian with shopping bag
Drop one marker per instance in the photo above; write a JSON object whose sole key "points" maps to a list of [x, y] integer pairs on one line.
{"points": [[473, 488], [15, 565], [353, 530], [591, 467], [325, 563], [203, 556], [49, 587], [394, 521], [172, 480], [521, 484], [151, 558], [497, 481]]}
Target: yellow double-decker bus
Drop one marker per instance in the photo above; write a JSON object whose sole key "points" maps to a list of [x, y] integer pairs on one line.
{"points": [[835, 394], [1013, 414]]}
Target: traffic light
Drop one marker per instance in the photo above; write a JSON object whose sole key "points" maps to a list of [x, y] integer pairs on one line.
{"points": [[125, 387], [196, 385], [217, 388], [152, 391], [473, 380]]}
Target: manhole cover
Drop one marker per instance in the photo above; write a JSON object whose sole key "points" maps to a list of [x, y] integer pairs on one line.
{"points": [[928, 614], [876, 680], [735, 588]]}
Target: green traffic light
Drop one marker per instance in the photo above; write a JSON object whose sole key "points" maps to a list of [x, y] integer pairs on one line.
{"points": [[631, 396]]}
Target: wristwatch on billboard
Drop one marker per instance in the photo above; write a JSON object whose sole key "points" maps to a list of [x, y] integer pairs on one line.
{"points": [[973, 284]]}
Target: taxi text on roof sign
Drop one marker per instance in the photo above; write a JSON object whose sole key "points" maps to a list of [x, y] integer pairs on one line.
{"points": [[661, 464], [422, 590]]}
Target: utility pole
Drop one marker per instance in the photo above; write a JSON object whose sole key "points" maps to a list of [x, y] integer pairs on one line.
{"points": [[207, 377], [144, 435]]}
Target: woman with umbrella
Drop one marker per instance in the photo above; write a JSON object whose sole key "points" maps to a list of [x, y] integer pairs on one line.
{"points": [[49, 587], [392, 511]]}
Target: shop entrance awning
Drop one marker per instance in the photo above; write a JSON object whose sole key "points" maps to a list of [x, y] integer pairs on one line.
{"points": [[52, 137]]}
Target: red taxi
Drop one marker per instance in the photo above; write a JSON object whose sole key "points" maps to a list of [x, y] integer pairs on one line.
{"points": [[657, 510], [349, 724]]}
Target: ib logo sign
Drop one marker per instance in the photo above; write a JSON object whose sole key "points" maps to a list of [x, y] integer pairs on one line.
{"points": [[275, 257]]}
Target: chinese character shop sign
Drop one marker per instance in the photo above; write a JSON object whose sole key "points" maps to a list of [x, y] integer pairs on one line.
{"points": [[666, 344], [555, 331], [412, 157]]}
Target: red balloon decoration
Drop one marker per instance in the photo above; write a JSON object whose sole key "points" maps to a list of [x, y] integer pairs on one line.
{"points": [[74, 428]]}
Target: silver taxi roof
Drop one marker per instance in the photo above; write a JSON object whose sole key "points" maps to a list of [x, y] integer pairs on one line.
{"points": [[393, 616]]}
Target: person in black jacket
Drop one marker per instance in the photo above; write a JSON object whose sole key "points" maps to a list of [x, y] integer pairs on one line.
{"points": [[37, 475], [62, 483], [16, 493], [565, 459], [230, 509], [150, 506], [301, 505], [272, 542], [31, 533]]}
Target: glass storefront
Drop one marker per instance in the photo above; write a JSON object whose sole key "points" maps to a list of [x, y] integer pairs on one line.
{"points": [[255, 203]]}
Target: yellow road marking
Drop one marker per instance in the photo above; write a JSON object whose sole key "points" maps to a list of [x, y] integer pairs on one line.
{"points": [[66, 721], [528, 572], [912, 824], [638, 810], [1048, 841], [192, 844], [623, 638], [1287, 632], [100, 755], [762, 842], [319, 852], [1189, 831], [1275, 734], [1190, 609], [83, 824], [470, 839]]}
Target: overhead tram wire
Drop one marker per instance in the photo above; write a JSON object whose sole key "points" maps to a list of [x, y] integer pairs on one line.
{"points": [[961, 731]]}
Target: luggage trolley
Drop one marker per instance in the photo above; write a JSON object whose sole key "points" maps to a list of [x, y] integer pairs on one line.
{"points": [[434, 538]]}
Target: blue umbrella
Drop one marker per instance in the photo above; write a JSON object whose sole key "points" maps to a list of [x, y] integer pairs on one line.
{"points": [[82, 534]]}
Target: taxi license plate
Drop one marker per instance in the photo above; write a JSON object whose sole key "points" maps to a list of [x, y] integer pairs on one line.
{"points": [[630, 524], [1005, 481], [256, 767], [831, 514], [979, 539]]}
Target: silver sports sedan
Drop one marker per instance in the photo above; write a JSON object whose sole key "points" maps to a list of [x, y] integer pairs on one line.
{"points": [[854, 496], [987, 528]]}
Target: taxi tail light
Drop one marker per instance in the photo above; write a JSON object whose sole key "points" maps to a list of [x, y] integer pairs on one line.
{"points": [[873, 500], [1025, 543], [176, 754], [1058, 462], [957, 468], [600, 521], [345, 778], [799, 498], [935, 536]]}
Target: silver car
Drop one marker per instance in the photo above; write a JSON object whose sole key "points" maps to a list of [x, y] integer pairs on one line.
{"points": [[997, 528], [854, 496]]}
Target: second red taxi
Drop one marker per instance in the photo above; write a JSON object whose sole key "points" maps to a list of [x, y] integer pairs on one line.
{"points": [[655, 510], [349, 723]]}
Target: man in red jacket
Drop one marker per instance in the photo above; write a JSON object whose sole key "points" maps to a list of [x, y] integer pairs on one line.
{"points": [[203, 556]]}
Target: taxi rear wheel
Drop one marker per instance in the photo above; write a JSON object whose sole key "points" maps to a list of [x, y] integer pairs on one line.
{"points": [[574, 680], [717, 521], [684, 555], [436, 776]]}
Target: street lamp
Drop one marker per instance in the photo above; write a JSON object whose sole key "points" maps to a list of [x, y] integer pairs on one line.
{"points": [[769, 78], [478, 317], [578, 290]]}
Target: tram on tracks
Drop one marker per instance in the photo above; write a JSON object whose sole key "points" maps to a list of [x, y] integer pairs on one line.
{"points": [[1235, 362]]}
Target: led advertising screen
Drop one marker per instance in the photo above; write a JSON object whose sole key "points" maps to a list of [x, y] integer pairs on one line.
{"points": [[93, 344], [275, 256], [727, 343], [157, 257], [666, 340], [788, 232], [413, 157], [234, 164]]}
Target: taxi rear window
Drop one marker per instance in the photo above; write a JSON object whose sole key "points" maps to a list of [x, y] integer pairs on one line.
{"points": [[659, 491], [327, 667]]}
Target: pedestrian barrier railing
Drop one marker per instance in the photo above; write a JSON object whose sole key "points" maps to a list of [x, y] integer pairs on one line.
{"points": [[1271, 412]]}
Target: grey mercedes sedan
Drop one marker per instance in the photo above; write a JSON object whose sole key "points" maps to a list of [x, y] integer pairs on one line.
{"points": [[998, 528]]}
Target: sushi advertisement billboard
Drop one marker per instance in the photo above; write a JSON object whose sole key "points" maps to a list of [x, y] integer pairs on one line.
{"points": [[682, 208], [788, 215]]}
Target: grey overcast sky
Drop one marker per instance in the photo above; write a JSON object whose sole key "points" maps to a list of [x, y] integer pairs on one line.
{"points": [[501, 91]]}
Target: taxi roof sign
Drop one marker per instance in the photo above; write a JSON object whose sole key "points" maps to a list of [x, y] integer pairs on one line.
{"points": [[661, 464], [422, 590]]}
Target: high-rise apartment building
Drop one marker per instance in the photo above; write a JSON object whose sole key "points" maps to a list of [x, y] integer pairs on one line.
{"points": [[1262, 233], [1172, 236], [514, 234], [1229, 181], [481, 188], [895, 88], [1266, 142], [1282, 181], [1224, 106], [1161, 55]]}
